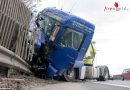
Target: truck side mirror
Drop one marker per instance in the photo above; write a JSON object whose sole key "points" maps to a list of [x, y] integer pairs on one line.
{"points": [[37, 23]]}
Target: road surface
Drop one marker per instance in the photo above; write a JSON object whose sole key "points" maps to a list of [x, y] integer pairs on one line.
{"points": [[88, 85]]}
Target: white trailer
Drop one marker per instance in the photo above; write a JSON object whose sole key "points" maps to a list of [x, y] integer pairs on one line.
{"points": [[100, 73]]}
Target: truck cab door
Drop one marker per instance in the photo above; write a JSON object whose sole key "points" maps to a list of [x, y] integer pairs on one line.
{"points": [[65, 51]]}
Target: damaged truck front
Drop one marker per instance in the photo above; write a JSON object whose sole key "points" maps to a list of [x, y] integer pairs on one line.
{"points": [[63, 39]]}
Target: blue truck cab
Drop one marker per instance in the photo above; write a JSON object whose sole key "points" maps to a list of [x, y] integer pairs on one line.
{"points": [[63, 39]]}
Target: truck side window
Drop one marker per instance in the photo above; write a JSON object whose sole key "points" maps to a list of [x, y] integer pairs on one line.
{"points": [[71, 38]]}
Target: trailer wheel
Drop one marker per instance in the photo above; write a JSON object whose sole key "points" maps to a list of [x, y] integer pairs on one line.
{"points": [[104, 73], [69, 76]]}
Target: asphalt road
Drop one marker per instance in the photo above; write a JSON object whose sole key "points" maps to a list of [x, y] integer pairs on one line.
{"points": [[88, 85]]}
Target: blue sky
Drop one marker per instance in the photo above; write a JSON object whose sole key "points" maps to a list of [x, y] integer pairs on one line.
{"points": [[112, 28]]}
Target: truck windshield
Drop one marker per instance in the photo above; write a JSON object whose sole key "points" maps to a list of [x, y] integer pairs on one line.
{"points": [[126, 71], [71, 38], [46, 24]]}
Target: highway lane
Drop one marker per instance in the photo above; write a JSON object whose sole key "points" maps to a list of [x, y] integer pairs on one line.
{"points": [[108, 85], [117, 83], [88, 85]]}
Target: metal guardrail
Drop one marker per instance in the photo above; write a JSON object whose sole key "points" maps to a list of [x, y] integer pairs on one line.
{"points": [[10, 60], [16, 40]]}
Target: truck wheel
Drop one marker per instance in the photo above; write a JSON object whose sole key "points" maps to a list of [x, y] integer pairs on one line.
{"points": [[104, 73], [69, 76], [123, 78]]}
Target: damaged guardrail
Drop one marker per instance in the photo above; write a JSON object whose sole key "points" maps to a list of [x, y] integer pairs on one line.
{"points": [[16, 39], [10, 60]]}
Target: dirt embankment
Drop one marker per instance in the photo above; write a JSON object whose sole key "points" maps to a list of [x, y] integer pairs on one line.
{"points": [[23, 82]]}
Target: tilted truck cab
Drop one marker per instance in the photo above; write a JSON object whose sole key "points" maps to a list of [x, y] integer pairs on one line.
{"points": [[63, 39]]}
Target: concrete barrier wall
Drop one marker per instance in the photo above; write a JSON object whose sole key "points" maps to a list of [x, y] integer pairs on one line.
{"points": [[14, 32], [16, 10]]}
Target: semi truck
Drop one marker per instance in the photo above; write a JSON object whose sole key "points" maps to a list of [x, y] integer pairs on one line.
{"points": [[125, 74], [86, 66], [63, 43]]}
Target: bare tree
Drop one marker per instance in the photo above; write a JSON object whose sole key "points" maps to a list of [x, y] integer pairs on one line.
{"points": [[32, 4]]}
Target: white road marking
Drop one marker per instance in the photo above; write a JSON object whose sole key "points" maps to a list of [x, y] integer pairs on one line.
{"points": [[125, 86]]}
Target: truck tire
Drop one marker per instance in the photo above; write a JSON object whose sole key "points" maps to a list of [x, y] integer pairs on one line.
{"points": [[69, 76], [123, 78], [104, 73]]}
